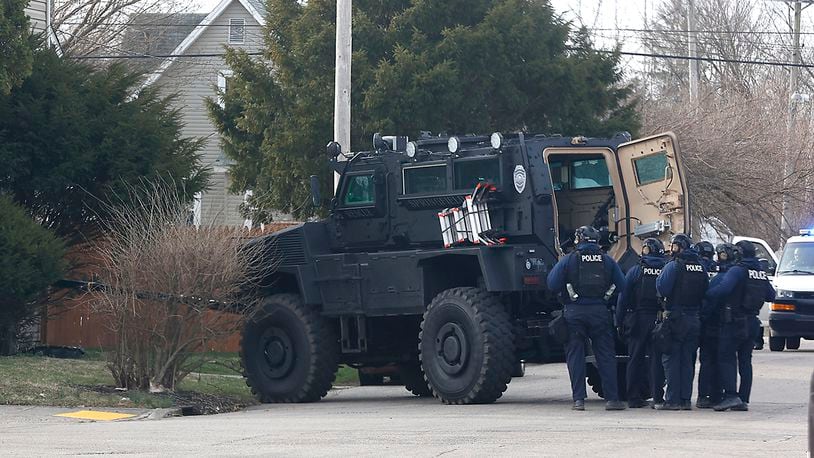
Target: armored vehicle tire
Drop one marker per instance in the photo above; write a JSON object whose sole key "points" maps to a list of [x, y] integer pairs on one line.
{"points": [[288, 352], [793, 343], [414, 381], [777, 343], [466, 346]]}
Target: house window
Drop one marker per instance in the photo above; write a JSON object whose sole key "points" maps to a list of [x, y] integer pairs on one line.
{"points": [[223, 83], [237, 31]]}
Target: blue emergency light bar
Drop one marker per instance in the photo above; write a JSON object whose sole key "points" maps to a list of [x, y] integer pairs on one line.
{"points": [[805, 232]]}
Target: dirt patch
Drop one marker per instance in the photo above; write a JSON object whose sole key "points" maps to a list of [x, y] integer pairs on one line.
{"points": [[190, 402]]}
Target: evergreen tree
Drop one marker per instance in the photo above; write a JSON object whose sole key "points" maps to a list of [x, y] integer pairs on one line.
{"points": [[453, 66], [73, 140], [30, 260]]}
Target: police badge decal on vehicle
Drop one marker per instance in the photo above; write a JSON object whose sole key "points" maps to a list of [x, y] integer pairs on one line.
{"points": [[519, 179]]}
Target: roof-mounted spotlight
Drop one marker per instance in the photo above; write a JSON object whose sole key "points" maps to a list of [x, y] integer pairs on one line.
{"points": [[334, 149], [411, 150], [496, 140], [453, 144]]}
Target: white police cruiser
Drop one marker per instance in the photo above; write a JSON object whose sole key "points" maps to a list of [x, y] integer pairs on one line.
{"points": [[792, 313]]}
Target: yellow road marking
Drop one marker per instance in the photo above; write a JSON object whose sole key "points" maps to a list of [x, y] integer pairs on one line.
{"points": [[95, 415]]}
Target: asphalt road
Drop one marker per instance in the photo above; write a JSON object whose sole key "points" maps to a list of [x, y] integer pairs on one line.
{"points": [[532, 418]]}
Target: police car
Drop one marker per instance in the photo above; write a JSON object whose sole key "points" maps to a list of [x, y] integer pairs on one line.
{"points": [[791, 317]]}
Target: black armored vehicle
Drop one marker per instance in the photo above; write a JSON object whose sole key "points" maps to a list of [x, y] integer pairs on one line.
{"points": [[435, 254]]}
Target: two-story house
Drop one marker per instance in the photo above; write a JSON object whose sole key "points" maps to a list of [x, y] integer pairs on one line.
{"points": [[233, 23]]}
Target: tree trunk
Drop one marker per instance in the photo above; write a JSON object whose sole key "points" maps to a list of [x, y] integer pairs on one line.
{"points": [[8, 338]]}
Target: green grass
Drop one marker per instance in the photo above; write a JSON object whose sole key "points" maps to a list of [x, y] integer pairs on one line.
{"points": [[37, 380], [346, 376]]}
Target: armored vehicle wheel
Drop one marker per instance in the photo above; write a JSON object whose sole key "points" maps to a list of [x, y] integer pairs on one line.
{"points": [[466, 347], [793, 343], [288, 353], [777, 343], [414, 381]]}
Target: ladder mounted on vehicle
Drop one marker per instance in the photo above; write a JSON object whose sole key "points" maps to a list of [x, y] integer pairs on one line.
{"points": [[470, 222]]}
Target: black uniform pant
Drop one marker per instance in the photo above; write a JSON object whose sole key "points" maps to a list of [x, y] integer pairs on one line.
{"points": [[645, 373], [590, 322], [708, 383], [737, 340], [679, 362]]}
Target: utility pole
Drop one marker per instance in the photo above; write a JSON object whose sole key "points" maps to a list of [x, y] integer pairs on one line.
{"points": [[342, 78], [794, 96], [692, 45]]}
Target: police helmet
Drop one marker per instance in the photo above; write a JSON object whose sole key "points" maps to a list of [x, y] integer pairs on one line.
{"points": [[746, 249], [726, 252], [705, 249], [653, 247], [586, 234], [682, 241]]}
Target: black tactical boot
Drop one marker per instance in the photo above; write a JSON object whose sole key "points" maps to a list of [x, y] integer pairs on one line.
{"points": [[655, 403], [579, 404], [686, 405], [728, 403], [668, 406], [704, 402], [743, 407], [636, 403], [615, 405]]}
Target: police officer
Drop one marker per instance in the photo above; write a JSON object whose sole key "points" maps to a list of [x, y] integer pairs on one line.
{"points": [[683, 282], [636, 313], [708, 392], [706, 255], [741, 291], [585, 279]]}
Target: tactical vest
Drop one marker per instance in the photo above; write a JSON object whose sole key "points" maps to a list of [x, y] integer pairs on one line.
{"points": [[753, 290], [690, 285], [646, 296], [589, 278]]}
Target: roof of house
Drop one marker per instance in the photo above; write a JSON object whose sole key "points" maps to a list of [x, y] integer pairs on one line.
{"points": [[255, 7], [157, 34]]}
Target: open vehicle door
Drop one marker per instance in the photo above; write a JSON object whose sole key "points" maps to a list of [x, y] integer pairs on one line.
{"points": [[655, 190]]}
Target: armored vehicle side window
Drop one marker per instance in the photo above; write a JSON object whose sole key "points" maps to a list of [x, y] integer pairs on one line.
{"points": [[469, 172], [590, 173], [425, 179], [360, 191], [650, 168], [559, 176]]}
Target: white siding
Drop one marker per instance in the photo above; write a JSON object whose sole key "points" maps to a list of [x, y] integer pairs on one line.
{"points": [[195, 79], [37, 13]]}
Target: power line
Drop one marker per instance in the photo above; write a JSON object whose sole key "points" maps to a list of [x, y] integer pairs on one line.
{"points": [[159, 56], [167, 25], [570, 48], [699, 58], [684, 32]]}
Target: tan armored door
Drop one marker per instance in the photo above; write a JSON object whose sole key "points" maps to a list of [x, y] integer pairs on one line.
{"points": [[656, 187]]}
